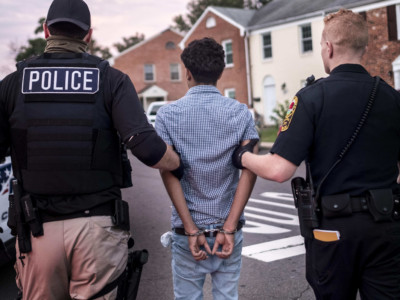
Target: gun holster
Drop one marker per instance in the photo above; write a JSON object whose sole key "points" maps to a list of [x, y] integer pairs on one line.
{"points": [[31, 215], [12, 218], [307, 207], [121, 215], [128, 288]]}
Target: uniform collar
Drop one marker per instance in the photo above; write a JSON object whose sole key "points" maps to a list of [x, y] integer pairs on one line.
{"points": [[354, 68]]}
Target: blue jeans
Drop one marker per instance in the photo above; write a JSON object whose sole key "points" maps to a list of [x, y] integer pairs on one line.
{"points": [[189, 275]]}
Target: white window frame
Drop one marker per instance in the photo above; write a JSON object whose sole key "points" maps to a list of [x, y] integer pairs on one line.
{"points": [[264, 46], [211, 22], [398, 20], [153, 68], [228, 91], [396, 73], [302, 39], [224, 44], [178, 69]]}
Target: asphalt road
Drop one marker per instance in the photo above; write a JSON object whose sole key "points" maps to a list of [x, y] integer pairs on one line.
{"points": [[273, 254]]}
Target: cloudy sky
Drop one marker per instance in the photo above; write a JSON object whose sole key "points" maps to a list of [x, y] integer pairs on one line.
{"points": [[111, 20]]}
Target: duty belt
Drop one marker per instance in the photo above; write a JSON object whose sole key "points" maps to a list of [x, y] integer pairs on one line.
{"points": [[359, 204], [106, 209], [381, 203]]}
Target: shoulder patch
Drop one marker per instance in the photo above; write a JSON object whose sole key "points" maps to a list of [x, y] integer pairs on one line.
{"points": [[289, 114]]}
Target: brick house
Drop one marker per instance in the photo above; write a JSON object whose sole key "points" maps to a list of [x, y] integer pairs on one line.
{"points": [[383, 54], [155, 67], [227, 26]]}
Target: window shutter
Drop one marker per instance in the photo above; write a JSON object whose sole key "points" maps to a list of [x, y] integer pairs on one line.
{"points": [[392, 23]]}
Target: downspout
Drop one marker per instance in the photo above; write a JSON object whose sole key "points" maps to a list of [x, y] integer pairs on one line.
{"points": [[248, 75]]}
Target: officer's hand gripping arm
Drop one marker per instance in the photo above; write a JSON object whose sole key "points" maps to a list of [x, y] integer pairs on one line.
{"points": [[240, 150]]}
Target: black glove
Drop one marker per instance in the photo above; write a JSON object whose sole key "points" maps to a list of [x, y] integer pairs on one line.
{"points": [[240, 150], [178, 172]]}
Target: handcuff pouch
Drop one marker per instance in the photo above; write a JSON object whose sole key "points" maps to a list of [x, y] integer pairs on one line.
{"points": [[380, 204]]}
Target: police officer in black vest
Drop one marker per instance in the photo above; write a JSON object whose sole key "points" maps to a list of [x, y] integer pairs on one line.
{"points": [[347, 128], [64, 114]]}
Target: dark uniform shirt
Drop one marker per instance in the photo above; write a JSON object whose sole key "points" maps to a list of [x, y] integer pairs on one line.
{"points": [[323, 117], [128, 117]]}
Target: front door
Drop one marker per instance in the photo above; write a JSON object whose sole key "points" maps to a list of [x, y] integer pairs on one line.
{"points": [[269, 99]]}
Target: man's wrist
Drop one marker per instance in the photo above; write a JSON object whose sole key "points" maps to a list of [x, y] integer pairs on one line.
{"points": [[197, 233], [228, 232]]}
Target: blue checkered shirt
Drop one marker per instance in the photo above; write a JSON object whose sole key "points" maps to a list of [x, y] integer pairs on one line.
{"points": [[205, 129]]}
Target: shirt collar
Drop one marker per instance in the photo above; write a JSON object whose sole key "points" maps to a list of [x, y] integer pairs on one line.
{"points": [[354, 68], [199, 89]]}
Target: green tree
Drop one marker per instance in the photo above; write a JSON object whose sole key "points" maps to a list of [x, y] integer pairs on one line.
{"points": [[95, 49], [39, 29], [129, 42], [36, 46], [197, 7]]}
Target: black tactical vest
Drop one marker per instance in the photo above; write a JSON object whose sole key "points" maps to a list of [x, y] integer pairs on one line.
{"points": [[62, 135]]}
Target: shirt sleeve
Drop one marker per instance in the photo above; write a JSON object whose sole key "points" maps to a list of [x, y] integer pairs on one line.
{"points": [[161, 128], [250, 132], [297, 133], [127, 112]]}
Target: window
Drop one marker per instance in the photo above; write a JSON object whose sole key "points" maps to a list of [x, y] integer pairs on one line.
{"points": [[148, 72], [227, 45], [174, 72], [396, 73], [230, 93], [393, 22], [211, 22], [170, 45], [306, 38], [267, 45]]}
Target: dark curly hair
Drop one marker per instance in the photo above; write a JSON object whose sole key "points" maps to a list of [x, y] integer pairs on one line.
{"points": [[205, 59]]}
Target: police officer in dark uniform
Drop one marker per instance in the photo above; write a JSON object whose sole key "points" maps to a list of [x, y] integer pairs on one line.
{"points": [[349, 206], [64, 114]]}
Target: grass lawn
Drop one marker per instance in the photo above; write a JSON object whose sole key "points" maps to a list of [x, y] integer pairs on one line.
{"points": [[268, 134]]}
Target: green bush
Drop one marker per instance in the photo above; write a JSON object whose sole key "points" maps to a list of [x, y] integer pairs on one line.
{"points": [[280, 112]]}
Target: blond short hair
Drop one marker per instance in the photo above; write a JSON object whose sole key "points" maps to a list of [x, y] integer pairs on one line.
{"points": [[346, 29]]}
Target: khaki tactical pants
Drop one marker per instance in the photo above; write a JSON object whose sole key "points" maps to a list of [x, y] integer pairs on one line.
{"points": [[74, 259]]}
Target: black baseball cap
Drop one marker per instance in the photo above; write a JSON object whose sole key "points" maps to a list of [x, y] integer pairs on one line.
{"points": [[72, 11]]}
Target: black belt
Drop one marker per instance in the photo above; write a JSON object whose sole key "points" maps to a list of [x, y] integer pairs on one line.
{"points": [[359, 204], [106, 209], [206, 232]]}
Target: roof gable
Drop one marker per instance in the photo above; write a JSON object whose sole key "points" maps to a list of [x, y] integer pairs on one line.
{"points": [[235, 16], [283, 11], [145, 41]]}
